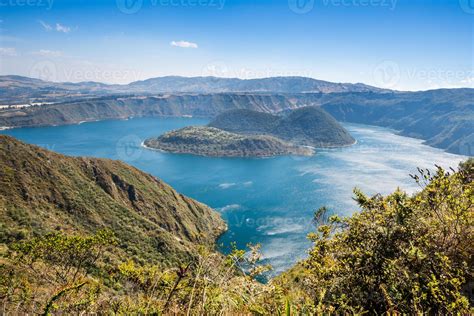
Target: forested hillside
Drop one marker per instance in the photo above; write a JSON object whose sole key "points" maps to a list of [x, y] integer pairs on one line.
{"points": [[43, 192]]}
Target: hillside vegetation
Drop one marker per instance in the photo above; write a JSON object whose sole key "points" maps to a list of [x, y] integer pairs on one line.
{"points": [[401, 253], [42, 192], [210, 141], [309, 126]]}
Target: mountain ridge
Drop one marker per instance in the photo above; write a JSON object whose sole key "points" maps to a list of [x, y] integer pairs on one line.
{"points": [[42, 192], [18, 89]]}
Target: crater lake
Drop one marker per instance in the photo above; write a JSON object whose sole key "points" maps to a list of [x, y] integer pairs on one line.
{"points": [[269, 201]]}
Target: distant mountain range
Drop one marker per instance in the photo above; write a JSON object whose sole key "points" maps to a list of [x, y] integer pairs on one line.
{"points": [[18, 89], [274, 84]]}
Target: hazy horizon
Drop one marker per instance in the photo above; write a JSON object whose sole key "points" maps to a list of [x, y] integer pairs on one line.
{"points": [[215, 77]]}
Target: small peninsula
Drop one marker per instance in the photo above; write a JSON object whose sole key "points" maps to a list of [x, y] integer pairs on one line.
{"points": [[214, 142]]}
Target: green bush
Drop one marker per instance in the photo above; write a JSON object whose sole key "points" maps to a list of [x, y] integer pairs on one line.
{"points": [[401, 253]]}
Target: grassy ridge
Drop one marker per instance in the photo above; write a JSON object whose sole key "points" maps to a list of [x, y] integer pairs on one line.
{"points": [[41, 191]]}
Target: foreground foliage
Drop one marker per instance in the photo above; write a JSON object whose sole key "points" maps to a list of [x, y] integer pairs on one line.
{"points": [[400, 254]]}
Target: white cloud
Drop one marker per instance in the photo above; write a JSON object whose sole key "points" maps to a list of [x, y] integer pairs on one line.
{"points": [[62, 28], [184, 44], [59, 27], [45, 25], [48, 53], [8, 51]]}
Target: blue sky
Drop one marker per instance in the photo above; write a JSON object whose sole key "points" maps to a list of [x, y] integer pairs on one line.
{"points": [[400, 44]]}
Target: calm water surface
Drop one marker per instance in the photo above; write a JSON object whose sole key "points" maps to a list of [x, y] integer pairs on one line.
{"points": [[270, 201]]}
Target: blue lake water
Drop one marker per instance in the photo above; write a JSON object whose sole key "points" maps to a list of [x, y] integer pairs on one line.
{"points": [[269, 201]]}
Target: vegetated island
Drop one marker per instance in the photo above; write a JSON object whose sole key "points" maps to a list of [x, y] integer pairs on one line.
{"points": [[214, 142], [247, 133], [307, 126]]}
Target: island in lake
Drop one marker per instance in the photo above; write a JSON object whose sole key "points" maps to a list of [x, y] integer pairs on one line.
{"points": [[247, 133], [210, 141]]}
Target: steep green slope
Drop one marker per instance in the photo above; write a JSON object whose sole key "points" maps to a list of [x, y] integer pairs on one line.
{"points": [[310, 126], [41, 191], [209, 141], [245, 121]]}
